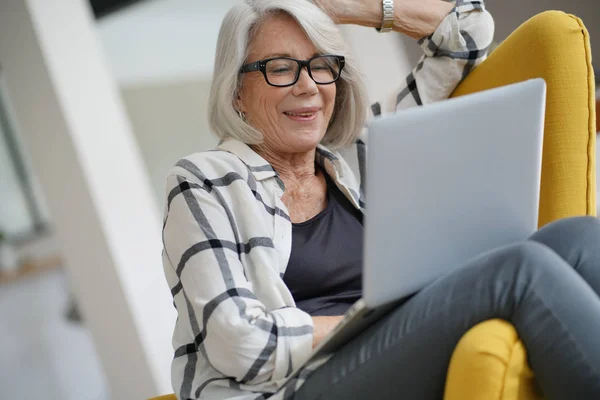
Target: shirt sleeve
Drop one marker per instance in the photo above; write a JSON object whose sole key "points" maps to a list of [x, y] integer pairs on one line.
{"points": [[231, 326], [459, 44]]}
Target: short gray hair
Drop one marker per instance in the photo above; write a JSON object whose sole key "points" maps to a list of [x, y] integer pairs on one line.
{"points": [[348, 118]]}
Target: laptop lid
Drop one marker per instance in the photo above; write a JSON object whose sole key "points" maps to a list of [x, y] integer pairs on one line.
{"points": [[448, 181]]}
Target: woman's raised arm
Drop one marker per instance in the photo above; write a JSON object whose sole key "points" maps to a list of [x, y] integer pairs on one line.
{"points": [[415, 18]]}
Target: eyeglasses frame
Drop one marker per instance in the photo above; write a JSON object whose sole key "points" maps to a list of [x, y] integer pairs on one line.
{"points": [[261, 66]]}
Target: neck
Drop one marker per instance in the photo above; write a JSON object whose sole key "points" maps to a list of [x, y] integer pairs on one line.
{"points": [[296, 169]]}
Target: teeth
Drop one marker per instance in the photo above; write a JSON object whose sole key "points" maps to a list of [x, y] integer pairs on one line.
{"points": [[306, 114]]}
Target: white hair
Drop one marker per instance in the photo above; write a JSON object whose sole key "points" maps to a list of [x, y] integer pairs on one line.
{"points": [[347, 120]]}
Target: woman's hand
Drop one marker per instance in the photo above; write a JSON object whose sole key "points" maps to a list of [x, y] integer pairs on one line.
{"points": [[322, 326], [415, 18]]}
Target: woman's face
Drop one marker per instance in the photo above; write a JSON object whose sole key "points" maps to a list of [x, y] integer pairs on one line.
{"points": [[292, 119]]}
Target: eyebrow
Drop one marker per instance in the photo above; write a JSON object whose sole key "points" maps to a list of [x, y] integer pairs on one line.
{"points": [[272, 55]]}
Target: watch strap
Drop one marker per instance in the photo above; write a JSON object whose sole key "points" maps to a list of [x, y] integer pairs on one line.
{"points": [[387, 22]]}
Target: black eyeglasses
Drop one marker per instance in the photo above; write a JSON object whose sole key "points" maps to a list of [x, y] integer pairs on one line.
{"points": [[285, 71]]}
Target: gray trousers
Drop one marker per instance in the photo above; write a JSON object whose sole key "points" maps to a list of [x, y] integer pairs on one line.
{"points": [[548, 287]]}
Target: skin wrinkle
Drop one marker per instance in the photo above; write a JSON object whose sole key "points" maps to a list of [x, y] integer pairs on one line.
{"points": [[289, 146]]}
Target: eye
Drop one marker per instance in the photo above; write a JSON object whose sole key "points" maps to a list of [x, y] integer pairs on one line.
{"points": [[320, 67], [280, 70], [280, 67]]}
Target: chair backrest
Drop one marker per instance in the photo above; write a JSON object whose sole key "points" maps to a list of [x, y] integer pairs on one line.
{"points": [[541, 49]]}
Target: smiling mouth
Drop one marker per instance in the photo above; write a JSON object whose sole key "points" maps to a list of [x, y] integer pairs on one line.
{"points": [[303, 114], [300, 114], [301, 117]]}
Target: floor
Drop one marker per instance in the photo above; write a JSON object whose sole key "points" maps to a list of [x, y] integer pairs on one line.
{"points": [[43, 355]]}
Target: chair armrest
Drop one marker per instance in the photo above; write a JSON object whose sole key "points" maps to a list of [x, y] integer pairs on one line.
{"points": [[490, 362]]}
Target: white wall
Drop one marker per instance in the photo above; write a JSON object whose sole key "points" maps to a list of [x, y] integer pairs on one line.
{"points": [[170, 121], [384, 60], [163, 40], [175, 39], [170, 41]]}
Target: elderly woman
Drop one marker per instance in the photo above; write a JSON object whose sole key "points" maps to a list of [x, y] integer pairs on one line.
{"points": [[263, 235]]}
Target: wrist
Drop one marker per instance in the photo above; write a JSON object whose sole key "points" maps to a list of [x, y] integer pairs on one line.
{"points": [[322, 326], [366, 13], [419, 19], [413, 18]]}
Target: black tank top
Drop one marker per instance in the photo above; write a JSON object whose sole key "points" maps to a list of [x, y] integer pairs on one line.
{"points": [[324, 272]]}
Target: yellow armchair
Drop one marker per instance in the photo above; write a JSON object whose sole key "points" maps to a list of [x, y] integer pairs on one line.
{"points": [[490, 361]]}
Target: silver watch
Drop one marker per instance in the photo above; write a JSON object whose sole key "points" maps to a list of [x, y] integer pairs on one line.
{"points": [[387, 23]]}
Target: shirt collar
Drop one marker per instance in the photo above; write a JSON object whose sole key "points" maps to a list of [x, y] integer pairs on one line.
{"points": [[261, 169]]}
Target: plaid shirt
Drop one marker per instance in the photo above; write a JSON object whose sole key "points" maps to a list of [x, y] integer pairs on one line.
{"points": [[228, 236]]}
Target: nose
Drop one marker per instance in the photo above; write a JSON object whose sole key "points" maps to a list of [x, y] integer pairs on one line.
{"points": [[305, 84]]}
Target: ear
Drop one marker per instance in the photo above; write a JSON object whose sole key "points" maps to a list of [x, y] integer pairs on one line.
{"points": [[238, 104]]}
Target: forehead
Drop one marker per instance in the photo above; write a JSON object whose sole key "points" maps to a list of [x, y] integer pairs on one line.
{"points": [[280, 34]]}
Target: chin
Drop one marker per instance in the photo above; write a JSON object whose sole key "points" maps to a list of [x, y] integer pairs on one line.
{"points": [[305, 142]]}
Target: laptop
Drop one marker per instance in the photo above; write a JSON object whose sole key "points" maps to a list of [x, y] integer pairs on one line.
{"points": [[445, 183]]}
